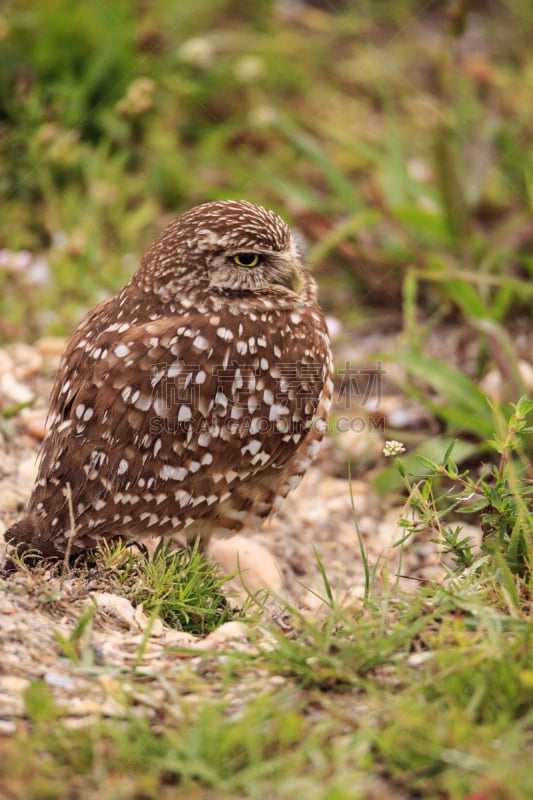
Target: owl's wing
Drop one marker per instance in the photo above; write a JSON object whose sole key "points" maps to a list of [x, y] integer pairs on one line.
{"points": [[182, 407]]}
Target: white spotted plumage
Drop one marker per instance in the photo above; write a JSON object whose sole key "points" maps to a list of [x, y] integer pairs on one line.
{"points": [[195, 399]]}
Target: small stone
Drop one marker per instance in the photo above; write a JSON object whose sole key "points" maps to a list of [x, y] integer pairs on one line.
{"points": [[401, 412], [255, 567], [13, 684], [313, 602], [59, 679], [232, 630], [118, 607], [27, 361], [419, 659], [50, 346], [336, 495], [227, 632], [84, 706], [496, 386], [361, 447], [27, 473], [34, 421], [6, 364], [174, 638], [526, 373], [388, 527], [7, 607], [143, 621], [491, 384], [11, 498], [367, 525], [12, 392]]}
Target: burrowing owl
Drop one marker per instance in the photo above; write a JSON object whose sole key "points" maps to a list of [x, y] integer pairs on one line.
{"points": [[195, 399]]}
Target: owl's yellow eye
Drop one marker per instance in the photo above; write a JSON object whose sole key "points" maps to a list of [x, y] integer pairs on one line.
{"points": [[247, 259]]}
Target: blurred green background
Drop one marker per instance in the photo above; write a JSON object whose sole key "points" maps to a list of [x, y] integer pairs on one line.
{"points": [[396, 137]]}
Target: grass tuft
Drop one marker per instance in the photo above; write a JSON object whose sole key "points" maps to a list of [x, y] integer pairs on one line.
{"points": [[181, 586]]}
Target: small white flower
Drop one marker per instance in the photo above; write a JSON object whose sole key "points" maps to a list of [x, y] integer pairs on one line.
{"points": [[393, 448]]}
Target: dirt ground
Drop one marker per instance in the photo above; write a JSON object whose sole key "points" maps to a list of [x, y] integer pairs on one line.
{"points": [[315, 523]]}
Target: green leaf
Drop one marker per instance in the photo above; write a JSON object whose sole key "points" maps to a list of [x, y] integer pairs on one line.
{"points": [[467, 299], [465, 407], [427, 226], [430, 452]]}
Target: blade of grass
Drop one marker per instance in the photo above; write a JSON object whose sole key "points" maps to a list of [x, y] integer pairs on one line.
{"points": [[362, 549]]}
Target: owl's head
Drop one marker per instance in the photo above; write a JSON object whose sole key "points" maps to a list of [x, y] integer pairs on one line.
{"points": [[227, 245]]}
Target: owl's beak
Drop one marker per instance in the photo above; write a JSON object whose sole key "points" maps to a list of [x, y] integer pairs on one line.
{"points": [[292, 276], [286, 270], [297, 280]]}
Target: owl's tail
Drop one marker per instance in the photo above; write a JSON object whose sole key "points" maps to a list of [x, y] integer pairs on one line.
{"points": [[29, 534]]}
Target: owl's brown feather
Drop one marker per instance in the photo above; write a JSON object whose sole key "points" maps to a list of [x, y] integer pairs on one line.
{"points": [[192, 401]]}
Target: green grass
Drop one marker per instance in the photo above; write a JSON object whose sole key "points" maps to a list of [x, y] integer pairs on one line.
{"points": [[429, 694], [407, 166], [426, 694], [180, 586]]}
